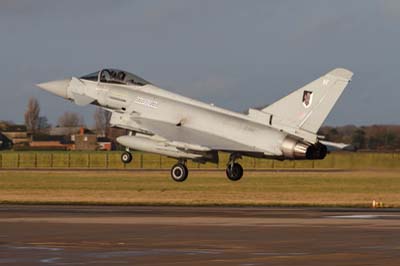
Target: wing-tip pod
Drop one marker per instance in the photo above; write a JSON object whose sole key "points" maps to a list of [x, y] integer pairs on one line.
{"points": [[341, 73]]}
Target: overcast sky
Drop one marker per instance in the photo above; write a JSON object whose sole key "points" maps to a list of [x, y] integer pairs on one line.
{"points": [[235, 54]]}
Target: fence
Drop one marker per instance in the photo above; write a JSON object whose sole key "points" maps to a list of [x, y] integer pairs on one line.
{"points": [[111, 160]]}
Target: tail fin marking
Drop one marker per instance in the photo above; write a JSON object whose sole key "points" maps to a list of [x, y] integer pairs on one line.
{"points": [[308, 107]]}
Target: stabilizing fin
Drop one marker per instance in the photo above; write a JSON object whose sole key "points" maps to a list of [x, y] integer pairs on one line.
{"points": [[337, 146], [308, 107]]}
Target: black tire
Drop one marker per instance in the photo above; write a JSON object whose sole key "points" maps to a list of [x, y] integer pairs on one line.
{"points": [[126, 157], [179, 172], [234, 172]]}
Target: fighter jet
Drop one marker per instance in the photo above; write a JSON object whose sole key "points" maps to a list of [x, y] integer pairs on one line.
{"points": [[162, 122]]}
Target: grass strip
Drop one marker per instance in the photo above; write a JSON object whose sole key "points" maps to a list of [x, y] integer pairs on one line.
{"points": [[294, 189]]}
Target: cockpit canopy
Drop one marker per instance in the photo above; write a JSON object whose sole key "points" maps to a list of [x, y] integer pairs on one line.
{"points": [[116, 76]]}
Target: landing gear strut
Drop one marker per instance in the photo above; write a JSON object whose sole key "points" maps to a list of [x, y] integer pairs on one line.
{"points": [[179, 171], [126, 157], [234, 171]]}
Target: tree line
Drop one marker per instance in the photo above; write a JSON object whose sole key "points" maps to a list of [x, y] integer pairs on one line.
{"points": [[374, 137], [39, 124]]}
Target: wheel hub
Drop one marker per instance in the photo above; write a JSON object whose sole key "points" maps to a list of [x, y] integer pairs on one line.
{"points": [[177, 172]]}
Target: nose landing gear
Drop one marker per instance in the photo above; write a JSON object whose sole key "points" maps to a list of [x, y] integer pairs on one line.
{"points": [[126, 157]]}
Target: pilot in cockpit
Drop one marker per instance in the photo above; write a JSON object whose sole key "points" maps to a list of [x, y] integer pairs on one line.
{"points": [[116, 76]]}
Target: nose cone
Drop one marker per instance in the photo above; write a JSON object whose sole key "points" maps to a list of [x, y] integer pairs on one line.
{"points": [[57, 87]]}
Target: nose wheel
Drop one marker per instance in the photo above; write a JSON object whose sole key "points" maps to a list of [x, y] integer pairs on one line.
{"points": [[179, 172], [126, 157]]}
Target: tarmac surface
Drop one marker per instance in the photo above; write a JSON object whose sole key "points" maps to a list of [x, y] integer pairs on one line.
{"points": [[110, 235]]}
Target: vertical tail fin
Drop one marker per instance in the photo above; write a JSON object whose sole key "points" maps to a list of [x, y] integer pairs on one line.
{"points": [[308, 107]]}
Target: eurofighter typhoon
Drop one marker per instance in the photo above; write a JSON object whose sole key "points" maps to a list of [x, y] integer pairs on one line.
{"points": [[167, 123]]}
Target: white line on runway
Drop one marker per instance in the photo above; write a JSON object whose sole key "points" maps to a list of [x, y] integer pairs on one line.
{"points": [[363, 216]]}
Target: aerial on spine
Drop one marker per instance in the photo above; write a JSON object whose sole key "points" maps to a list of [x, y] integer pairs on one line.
{"points": [[179, 127]]}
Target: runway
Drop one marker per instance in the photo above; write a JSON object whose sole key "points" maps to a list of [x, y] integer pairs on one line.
{"points": [[79, 235]]}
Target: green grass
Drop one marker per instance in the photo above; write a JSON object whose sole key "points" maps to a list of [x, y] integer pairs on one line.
{"points": [[99, 160], [352, 189]]}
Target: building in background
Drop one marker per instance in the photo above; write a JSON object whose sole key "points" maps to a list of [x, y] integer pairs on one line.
{"points": [[105, 144], [65, 131], [16, 135], [47, 142], [58, 138], [5, 143], [85, 140]]}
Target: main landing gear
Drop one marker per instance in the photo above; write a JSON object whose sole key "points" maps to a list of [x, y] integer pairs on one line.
{"points": [[234, 171], [179, 172]]}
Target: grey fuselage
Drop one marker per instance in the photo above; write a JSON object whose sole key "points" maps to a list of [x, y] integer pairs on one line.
{"points": [[152, 103], [170, 124]]}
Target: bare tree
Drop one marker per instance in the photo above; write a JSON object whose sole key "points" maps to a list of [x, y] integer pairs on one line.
{"points": [[102, 119], [32, 115], [43, 124], [70, 119]]}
